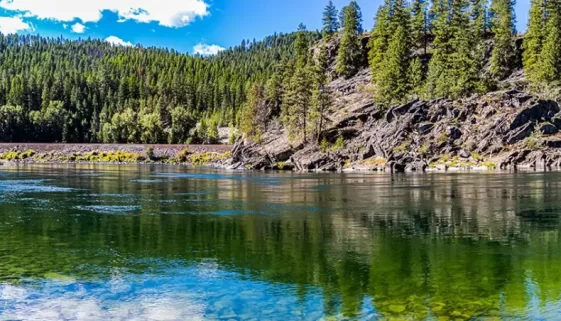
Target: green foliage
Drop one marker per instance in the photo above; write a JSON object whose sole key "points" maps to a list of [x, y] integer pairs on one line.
{"points": [[12, 123], [350, 55], [379, 38], [442, 138], [403, 147], [393, 79], [91, 91], [324, 146], [339, 143], [150, 153], [453, 69], [330, 23], [424, 150], [534, 141], [533, 41], [321, 93], [502, 22], [419, 24], [477, 157], [253, 117], [550, 60]]}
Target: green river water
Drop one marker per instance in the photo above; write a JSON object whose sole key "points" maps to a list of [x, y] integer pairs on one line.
{"points": [[86, 242]]}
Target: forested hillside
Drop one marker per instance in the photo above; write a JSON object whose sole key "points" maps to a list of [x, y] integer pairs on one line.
{"points": [[56, 90], [53, 90]]}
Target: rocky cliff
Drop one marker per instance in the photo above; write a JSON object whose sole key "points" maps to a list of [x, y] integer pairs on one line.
{"points": [[503, 129]]}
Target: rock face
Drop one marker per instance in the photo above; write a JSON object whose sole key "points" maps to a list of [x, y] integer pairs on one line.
{"points": [[503, 129]]}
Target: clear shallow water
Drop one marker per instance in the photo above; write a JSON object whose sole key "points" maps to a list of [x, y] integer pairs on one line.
{"points": [[172, 243]]}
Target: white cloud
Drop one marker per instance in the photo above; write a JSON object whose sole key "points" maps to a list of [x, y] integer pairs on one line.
{"points": [[205, 50], [13, 25], [116, 41], [169, 13], [78, 28]]}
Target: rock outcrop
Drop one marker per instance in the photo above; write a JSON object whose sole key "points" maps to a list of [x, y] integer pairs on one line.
{"points": [[501, 129]]}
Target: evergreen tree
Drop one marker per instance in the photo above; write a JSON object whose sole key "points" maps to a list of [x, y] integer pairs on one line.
{"points": [[533, 40], [330, 23], [503, 27], [419, 24], [297, 103], [392, 84], [301, 46], [550, 63], [416, 78], [453, 69], [298, 92], [379, 38], [253, 114], [349, 55], [321, 94]]}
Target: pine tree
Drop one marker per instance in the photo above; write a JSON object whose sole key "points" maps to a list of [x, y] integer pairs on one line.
{"points": [[330, 23], [533, 40], [298, 92], [550, 64], [379, 38], [349, 55], [297, 103], [252, 119], [321, 95], [503, 27], [392, 84], [301, 45], [453, 69], [478, 17], [416, 78], [419, 24]]}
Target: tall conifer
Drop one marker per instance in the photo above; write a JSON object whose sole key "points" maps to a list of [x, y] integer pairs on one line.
{"points": [[502, 57], [349, 55], [330, 23], [533, 40]]}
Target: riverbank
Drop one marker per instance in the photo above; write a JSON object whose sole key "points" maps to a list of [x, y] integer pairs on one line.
{"points": [[211, 155]]}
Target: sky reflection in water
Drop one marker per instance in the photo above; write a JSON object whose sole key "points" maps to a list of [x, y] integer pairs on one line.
{"points": [[173, 243]]}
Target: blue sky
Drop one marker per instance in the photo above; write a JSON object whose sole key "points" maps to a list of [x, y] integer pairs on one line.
{"points": [[204, 26]]}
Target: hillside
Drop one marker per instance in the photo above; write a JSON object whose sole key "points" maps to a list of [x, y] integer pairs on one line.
{"points": [[56, 90], [506, 128]]}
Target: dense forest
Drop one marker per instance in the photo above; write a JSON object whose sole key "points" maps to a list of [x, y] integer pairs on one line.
{"points": [[53, 90]]}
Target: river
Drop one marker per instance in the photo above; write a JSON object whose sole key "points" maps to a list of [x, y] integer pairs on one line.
{"points": [[94, 242]]}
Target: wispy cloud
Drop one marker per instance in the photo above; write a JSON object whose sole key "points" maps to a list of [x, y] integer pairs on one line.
{"points": [[206, 50], [169, 13]]}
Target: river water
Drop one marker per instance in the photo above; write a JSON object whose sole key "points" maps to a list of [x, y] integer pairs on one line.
{"points": [[92, 242]]}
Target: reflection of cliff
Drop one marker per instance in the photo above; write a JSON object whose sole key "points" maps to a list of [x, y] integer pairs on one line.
{"points": [[443, 245]]}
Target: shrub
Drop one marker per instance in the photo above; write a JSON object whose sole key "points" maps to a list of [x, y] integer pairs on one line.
{"points": [[324, 145], [150, 153], [477, 157], [424, 150], [442, 138], [339, 144], [403, 147], [534, 141]]}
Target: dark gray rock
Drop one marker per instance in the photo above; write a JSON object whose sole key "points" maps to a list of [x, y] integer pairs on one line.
{"points": [[548, 129]]}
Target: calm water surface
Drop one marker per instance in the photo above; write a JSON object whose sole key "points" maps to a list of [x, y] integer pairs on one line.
{"points": [[173, 243]]}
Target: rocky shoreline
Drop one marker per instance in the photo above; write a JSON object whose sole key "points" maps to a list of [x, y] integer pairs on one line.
{"points": [[29, 153], [500, 130]]}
